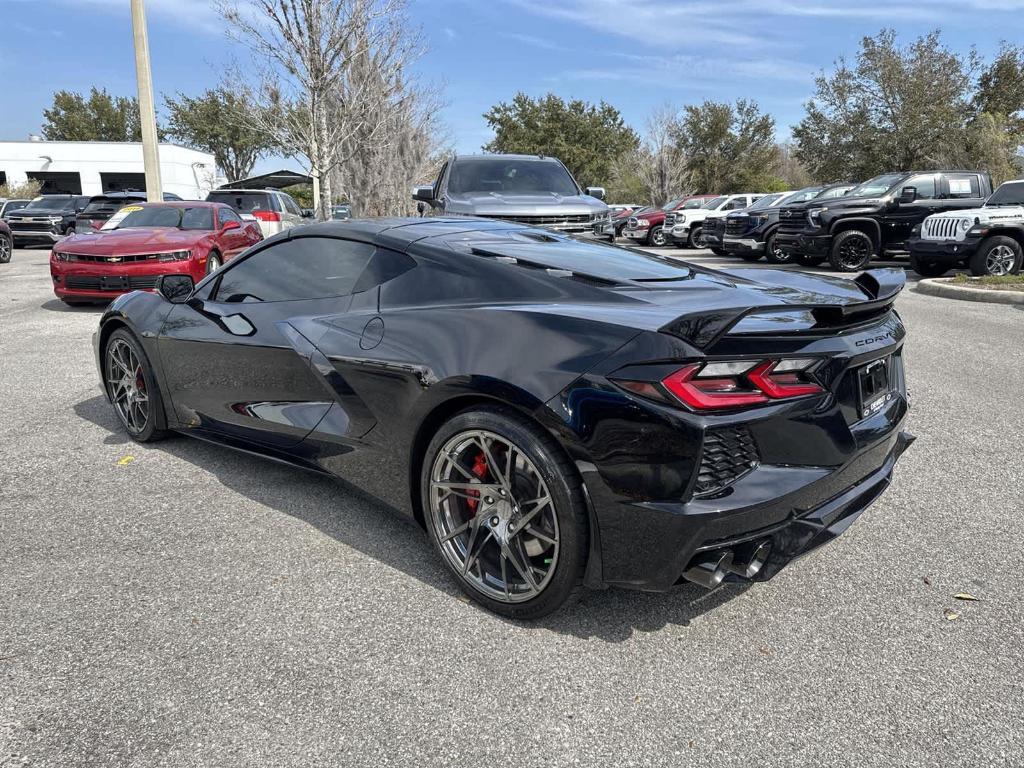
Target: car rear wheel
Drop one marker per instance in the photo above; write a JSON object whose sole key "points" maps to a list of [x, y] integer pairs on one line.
{"points": [[997, 255], [131, 386], [504, 508], [6, 248], [657, 238], [213, 262], [851, 251], [696, 238]]}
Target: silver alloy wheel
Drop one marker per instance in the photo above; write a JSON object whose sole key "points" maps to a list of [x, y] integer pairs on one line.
{"points": [[5, 250], [494, 516], [1000, 260], [658, 238], [212, 263], [127, 385]]}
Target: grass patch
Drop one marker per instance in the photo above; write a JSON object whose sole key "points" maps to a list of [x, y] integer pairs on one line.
{"points": [[991, 282]]}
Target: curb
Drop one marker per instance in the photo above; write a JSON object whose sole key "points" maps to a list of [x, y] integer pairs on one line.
{"points": [[936, 286]]}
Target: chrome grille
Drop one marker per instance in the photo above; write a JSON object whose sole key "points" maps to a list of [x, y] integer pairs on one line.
{"points": [[670, 220], [547, 221], [729, 453], [110, 282], [113, 259]]}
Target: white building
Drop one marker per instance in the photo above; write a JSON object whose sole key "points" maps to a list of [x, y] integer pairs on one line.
{"points": [[93, 167]]}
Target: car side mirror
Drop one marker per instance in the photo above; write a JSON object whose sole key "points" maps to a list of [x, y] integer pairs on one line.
{"points": [[597, 192], [425, 193], [908, 194], [175, 288], [231, 224]]}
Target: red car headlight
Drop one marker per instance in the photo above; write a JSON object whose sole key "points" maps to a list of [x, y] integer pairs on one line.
{"points": [[176, 256]]}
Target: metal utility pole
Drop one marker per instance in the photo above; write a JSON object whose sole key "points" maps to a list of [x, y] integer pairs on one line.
{"points": [[150, 151]]}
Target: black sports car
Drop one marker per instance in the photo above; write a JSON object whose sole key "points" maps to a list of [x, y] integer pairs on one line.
{"points": [[555, 412]]}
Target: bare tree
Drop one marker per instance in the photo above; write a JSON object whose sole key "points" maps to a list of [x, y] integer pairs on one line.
{"points": [[662, 164], [311, 97]]}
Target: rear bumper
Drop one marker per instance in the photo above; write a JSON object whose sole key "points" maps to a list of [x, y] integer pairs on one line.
{"points": [[943, 251]]}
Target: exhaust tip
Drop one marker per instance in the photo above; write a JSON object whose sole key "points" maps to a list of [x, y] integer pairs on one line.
{"points": [[710, 568], [748, 563]]}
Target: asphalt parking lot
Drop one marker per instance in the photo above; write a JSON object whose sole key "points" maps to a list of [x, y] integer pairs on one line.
{"points": [[182, 604]]}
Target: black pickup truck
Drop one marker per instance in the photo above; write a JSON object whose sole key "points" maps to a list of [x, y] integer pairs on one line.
{"points": [[876, 217], [46, 219]]}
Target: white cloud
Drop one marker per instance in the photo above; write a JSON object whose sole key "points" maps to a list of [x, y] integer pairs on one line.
{"points": [[535, 42]]}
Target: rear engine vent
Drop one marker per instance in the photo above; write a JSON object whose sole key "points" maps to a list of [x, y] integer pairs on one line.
{"points": [[729, 454]]}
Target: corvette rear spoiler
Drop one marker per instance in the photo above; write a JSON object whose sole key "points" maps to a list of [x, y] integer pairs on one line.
{"points": [[881, 286]]}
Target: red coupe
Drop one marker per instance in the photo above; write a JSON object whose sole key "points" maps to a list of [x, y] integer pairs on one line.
{"points": [[141, 242]]}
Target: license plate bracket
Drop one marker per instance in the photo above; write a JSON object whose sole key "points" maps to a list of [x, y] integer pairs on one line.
{"points": [[873, 386]]}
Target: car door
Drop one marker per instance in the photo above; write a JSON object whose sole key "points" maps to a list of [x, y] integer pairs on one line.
{"points": [[234, 365], [232, 241], [898, 224]]}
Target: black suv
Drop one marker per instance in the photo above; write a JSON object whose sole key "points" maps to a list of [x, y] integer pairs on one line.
{"points": [[876, 217], [750, 233], [46, 219], [102, 207]]}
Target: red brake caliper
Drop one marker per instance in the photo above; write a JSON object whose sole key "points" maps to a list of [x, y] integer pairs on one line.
{"points": [[480, 470]]}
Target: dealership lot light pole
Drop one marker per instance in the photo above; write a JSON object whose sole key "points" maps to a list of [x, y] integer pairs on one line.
{"points": [[147, 113]]}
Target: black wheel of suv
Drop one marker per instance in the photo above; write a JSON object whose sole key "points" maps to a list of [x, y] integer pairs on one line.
{"points": [[696, 237], [929, 268], [69, 231], [852, 251], [6, 248], [656, 237], [128, 377], [997, 255], [776, 255], [504, 508]]}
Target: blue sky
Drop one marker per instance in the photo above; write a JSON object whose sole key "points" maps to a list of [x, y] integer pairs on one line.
{"points": [[635, 54]]}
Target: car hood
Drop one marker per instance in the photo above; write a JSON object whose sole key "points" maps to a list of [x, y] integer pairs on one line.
{"points": [[507, 204], [1008, 213], [40, 212], [132, 240]]}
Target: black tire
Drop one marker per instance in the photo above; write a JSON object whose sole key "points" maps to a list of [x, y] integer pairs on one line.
{"points": [[656, 237], [153, 427], [774, 255], [809, 261], [213, 262], [6, 249], [696, 237], [567, 506], [851, 251], [70, 230], [997, 255], [929, 268], [719, 251]]}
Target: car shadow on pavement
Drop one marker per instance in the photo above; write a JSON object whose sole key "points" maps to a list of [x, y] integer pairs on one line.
{"points": [[360, 521], [56, 305]]}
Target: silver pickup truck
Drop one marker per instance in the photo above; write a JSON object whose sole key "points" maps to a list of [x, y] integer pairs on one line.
{"points": [[527, 189]]}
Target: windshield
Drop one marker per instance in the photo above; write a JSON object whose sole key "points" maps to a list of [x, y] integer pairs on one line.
{"points": [[242, 202], [497, 174], [878, 185], [671, 205], [103, 206], [50, 203], [1011, 193], [714, 203], [831, 194], [802, 195], [162, 216], [768, 201]]}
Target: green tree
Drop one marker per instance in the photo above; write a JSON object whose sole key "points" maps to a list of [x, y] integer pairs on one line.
{"points": [[894, 108], [1001, 85], [728, 148], [219, 122], [588, 138], [100, 117], [26, 191]]}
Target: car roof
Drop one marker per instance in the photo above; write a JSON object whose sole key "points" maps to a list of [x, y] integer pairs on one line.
{"points": [[184, 204], [246, 191], [506, 156]]}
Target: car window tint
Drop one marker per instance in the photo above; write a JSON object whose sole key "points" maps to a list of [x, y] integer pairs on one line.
{"points": [[384, 265], [243, 202], [228, 214], [737, 203], [291, 205], [297, 268], [197, 218], [925, 186], [963, 185]]}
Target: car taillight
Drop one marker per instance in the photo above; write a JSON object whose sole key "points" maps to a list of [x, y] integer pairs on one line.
{"points": [[733, 384], [267, 215]]}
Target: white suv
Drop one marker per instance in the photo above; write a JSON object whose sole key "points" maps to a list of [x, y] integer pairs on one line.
{"points": [[684, 227], [275, 211]]}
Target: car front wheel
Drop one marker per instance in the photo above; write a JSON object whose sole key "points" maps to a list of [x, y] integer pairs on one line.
{"points": [[696, 238], [774, 254], [996, 256], [6, 248], [131, 387], [657, 237], [851, 251], [212, 263], [504, 508]]}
